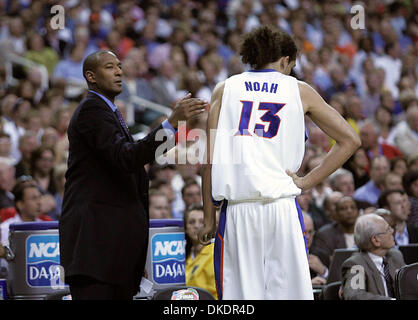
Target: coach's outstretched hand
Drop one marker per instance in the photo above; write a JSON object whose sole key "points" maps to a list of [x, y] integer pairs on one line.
{"points": [[187, 108]]}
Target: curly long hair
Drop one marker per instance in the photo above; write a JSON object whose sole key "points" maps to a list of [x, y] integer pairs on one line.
{"points": [[266, 44]]}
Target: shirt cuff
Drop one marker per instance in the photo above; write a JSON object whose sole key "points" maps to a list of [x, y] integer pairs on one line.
{"points": [[167, 126], [325, 275]]}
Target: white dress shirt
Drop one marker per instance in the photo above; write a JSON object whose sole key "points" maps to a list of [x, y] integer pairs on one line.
{"points": [[378, 261]]}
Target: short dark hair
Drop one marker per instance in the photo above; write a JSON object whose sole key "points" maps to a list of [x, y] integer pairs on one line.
{"points": [[266, 44], [92, 60], [21, 186], [408, 178], [189, 182], [383, 202]]}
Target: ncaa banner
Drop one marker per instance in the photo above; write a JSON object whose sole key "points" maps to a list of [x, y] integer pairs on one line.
{"points": [[169, 258], [42, 260]]}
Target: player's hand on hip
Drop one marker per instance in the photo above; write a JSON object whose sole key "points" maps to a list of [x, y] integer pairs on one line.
{"points": [[206, 234], [299, 181], [187, 108]]}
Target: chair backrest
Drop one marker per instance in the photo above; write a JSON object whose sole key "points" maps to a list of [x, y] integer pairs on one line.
{"points": [[409, 252], [406, 282], [338, 258], [183, 293], [330, 291]]}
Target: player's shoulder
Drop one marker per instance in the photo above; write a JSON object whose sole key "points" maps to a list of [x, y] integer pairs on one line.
{"points": [[304, 88], [219, 88]]}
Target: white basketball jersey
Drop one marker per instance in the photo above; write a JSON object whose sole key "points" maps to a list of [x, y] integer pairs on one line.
{"points": [[260, 134]]}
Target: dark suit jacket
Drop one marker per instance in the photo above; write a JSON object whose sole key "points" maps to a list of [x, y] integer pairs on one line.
{"points": [[326, 240], [370, 286], [104, 222]]}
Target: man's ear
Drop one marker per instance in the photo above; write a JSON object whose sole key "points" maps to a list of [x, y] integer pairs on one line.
{"points": [[285, 62], [18, 205], [375, 241], [90, 76]]}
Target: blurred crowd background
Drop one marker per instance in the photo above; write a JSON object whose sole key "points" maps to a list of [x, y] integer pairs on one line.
{"points": [[171, 47]]}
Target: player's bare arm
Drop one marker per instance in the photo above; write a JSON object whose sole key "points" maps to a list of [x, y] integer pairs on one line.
{"points": [[335, 126], [209, 228]]}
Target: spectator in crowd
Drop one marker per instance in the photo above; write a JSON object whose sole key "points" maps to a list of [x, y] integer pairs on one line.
{"points": [[369, 133], [5, 145], [116, 41], [27, 144], [412, 162], [50, 137], [338, 234], [15, 127], [68, 73], [393, 201], [7, 182], [183, 173], [358, 165], [391, 63], [33, 123], [165, 85], [384, 120], [371, 190], [39, 53], [42, 169], [165, 187], [377, 261], [159, 206], [59, 179], [191, 193], [15, 36], [27, 197], [399, 165], [410, 183], [330, 205], [405, 135], [392, 180], [354, 111], [199, 259], [133, 85], [319, 272], [342, 180], [371, 97]]}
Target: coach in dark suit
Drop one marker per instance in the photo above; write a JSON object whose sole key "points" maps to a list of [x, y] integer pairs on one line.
{"points": [[104, 222]]}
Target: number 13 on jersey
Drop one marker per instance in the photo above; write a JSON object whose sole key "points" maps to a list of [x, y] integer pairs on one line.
{"points": [[269, 116]]}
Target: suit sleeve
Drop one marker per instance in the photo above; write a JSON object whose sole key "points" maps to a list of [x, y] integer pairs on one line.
{"points": [[354, 283], [100, 131], [321, 249]]}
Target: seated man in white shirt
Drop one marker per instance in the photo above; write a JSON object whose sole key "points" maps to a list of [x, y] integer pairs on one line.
{"points": [[370, 273], [394, 201], [28, 205]]}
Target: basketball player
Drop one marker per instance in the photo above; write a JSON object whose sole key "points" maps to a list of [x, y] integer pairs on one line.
{"points": [[259, 144]]}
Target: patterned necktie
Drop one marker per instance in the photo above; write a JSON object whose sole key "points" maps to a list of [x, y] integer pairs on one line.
{"points": [[122, 122], [388, 278]]}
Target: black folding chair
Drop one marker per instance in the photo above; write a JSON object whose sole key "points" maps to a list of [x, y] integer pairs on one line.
{"points": [[406, 282], [183, 293], [330, 291]]}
